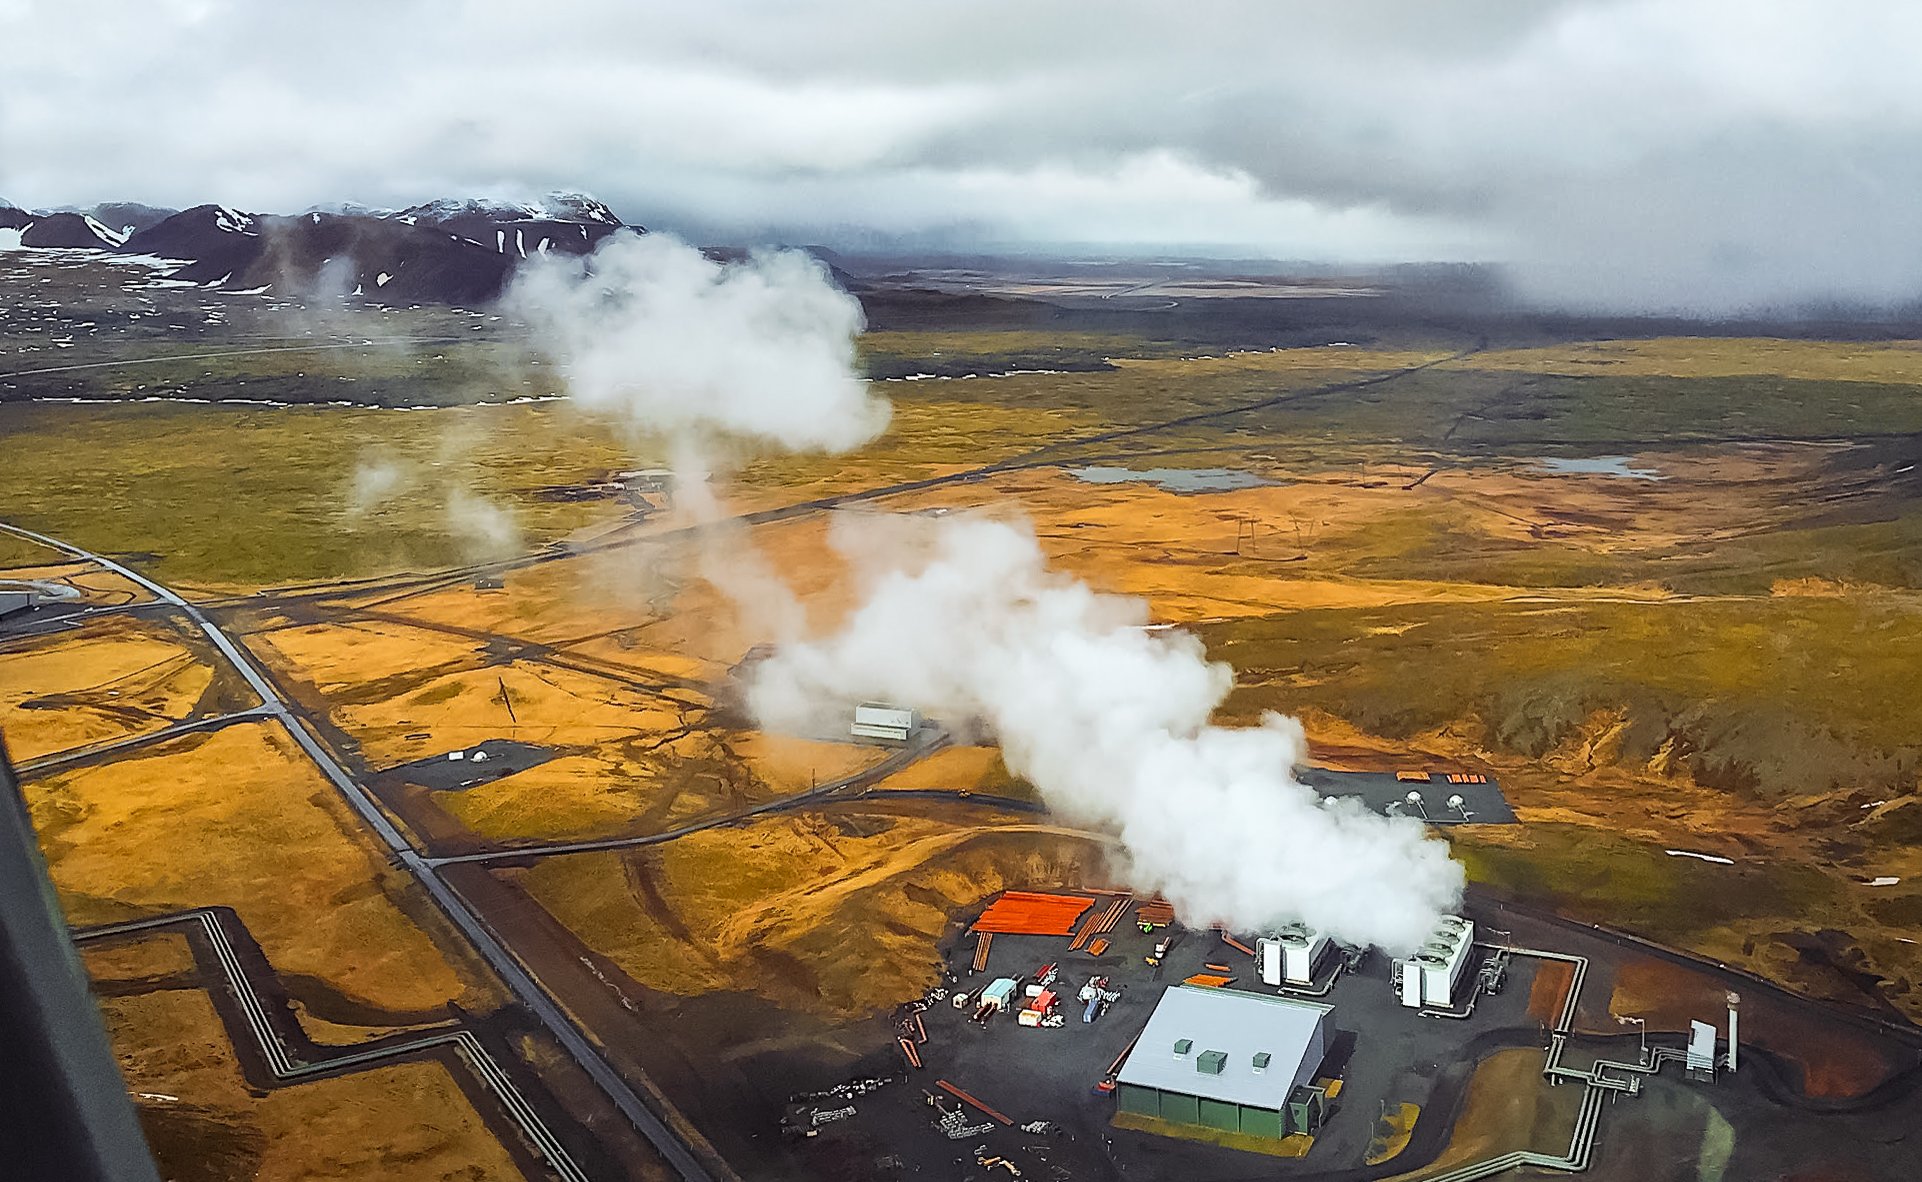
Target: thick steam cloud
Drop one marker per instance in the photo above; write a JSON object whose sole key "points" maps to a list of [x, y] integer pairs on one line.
{"points": [[652, 332], [962, 616]]}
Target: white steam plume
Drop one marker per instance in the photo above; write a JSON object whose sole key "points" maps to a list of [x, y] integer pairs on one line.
{"points": [[652, 332], [486, 528], [374, 483], [961, 615]]}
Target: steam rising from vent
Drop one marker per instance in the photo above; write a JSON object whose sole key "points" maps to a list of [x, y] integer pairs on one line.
{"points": [[653, 332], [1111, 724], [961, 616]]}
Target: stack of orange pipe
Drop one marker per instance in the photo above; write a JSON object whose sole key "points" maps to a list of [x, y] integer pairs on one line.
{"points": [[981, 943], [1024, 913], [1101, 921], [1157, 911]]}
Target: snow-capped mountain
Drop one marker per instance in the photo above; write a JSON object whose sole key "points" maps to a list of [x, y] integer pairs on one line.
{"points": [[128, 217], [352, 209], [212, 233], [458, 250], [70, 230], [557, 206]]}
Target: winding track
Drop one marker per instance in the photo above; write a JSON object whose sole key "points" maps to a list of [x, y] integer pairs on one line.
{"points": [[860, 780], [680, 1155], [100, 752], [254, 1010]]}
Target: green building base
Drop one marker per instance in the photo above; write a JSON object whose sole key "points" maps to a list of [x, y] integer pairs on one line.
{"points": [[1293, 1145]]}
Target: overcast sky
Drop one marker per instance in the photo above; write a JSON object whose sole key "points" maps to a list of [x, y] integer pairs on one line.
{"points": [[1665, 153]]}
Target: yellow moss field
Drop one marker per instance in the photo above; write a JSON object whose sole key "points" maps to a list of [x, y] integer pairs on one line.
{"points": [[645, 788], [554, 603], [1508, 1107], [407, 1120], [574, 796], [111, 680], [549, 706], [338, 659], [787, 764], [154, 954], [833, 915], [977, 769], [239, 817]]}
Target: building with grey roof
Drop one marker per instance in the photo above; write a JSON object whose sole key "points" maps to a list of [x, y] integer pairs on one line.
{"points": [[1229, 1061]]}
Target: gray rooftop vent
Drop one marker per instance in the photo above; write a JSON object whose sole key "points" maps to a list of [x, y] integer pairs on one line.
{"points": [[1262, 1059], [1183, 1046], [1211, 1062]]}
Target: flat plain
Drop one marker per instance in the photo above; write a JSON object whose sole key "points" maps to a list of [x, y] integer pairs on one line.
{"points": [[1667, 588]]}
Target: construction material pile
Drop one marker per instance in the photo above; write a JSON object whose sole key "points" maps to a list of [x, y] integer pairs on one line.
{"points": [[1023, 913]]}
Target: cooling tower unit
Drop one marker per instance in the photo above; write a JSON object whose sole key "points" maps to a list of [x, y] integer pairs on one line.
{"points": [[1293, 955], [1431, 977]]}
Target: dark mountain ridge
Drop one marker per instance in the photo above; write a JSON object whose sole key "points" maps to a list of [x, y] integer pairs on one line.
{"points": [[456, 251]]}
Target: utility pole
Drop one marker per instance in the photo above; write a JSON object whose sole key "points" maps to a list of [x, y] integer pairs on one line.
{"points": [[1734, 1030]]}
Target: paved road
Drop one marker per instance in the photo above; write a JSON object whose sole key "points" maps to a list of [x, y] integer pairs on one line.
{"points": [[528, 991], [82, 756], [859, 780]]}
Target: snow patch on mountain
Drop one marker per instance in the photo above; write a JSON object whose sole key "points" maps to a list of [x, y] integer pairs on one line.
{"points": [[111, 236], [234, 221], [557, 206]]}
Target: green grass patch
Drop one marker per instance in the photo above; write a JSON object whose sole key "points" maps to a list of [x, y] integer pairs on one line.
{"points": [[1597, 876], [237, 495]]}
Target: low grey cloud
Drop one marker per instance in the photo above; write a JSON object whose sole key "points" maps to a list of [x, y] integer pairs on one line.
{"points": [[1662, 153]]}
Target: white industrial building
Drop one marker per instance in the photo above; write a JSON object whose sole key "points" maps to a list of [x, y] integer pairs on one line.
{"points": [[1230, 1061], [1432, 976], [877, 720], [1293, 955]]}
